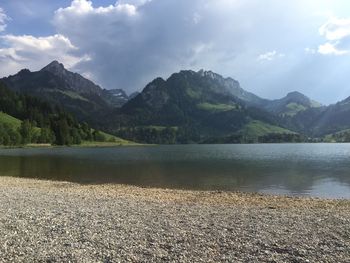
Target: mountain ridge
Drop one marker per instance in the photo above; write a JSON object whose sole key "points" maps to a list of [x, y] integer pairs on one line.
{"points": [[199, 101], [74, 81], [205, 102], [60, 86]]}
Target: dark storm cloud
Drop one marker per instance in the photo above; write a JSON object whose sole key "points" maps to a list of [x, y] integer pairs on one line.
{"points": [[272, 47]]}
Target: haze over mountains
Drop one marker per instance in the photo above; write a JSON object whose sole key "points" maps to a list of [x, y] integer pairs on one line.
{"points": [[187, 107]]}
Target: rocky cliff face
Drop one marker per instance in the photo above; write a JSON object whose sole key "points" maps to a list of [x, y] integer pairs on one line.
{"points": [[115, 97], [74, 81]]}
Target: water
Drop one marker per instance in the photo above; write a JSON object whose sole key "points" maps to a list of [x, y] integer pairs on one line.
{"points": [[321, 170]]}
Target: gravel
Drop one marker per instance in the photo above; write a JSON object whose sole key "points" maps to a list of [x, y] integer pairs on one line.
{"points": [[43, 221]]}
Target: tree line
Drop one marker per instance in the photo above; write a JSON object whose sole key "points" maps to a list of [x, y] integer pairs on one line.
{"points": [[42, 122], [160, 135], [268, 138], [185, 135]]}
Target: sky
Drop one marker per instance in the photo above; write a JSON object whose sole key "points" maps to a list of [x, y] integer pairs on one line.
{"points": [[271, 47]]}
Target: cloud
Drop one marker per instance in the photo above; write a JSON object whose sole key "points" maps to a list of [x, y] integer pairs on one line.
{"points": [[132, 42], [35, 52], [3, 19], [134, 2], [335, 28], [45, 44], [331, 49], [85, 7], [128, 43], [269, 56], [337, 32]]}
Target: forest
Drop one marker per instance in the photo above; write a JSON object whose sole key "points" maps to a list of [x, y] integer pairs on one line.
{"points": [[41, 122], [160, 134]]}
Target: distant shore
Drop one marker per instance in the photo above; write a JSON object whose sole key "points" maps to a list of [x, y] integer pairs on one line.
{"points": [[118, 144], [60, 222], [83, 145]]}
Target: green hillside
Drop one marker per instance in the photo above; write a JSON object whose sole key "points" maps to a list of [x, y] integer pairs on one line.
{"points": [[216, 107], [107, 139], [256, 129], [293, 108], [341, 136], [13, 122], [9, 120], [29, 120]]}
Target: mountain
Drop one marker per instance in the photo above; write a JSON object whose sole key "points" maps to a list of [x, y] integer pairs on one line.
{"points": [[70, 90], [315, 120], [85, 87], [119, 93], [197, 106], [291, 104], [133, 95], [25, 119], [115, 97], [234, 87], [189, 106], [332, 119], [72, 81]]}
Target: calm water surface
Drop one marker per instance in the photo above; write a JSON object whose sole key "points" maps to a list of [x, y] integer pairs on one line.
{"points": [[321, 170]]}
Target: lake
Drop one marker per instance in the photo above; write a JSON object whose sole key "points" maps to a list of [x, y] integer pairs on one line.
{"points": [[321, 170]]}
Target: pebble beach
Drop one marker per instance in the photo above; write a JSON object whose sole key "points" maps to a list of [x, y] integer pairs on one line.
{"points": [[45, 221]]}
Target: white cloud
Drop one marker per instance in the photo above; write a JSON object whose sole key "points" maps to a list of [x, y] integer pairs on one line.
{"points": [[3, 19], [31, 52], [335, 29], [133, 41], [331, 49], [85, 7], [47, 44], [146, 39], [134, 2], [271, 55], [142, 39]]}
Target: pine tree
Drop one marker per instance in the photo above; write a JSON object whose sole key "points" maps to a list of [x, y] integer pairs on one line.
{"points": [[26, 131]]}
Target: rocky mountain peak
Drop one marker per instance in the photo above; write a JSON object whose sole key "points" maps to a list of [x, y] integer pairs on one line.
{"points": [[24, 71], [74, 81], [118, 93], [210, 74], [296, 95], [54, 67]]}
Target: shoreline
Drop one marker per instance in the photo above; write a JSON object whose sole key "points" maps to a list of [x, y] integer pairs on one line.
{"points": [[63, 221], [84, 145], [112, 144], [113, 188]]}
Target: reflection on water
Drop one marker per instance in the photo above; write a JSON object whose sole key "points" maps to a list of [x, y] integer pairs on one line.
{"points": [[295, 169]]}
